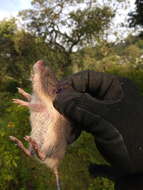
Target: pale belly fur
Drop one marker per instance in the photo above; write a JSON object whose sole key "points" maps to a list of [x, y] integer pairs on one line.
{"points": [[50, 130]]}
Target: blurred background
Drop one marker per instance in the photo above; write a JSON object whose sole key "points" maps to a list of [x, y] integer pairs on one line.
{"points": [[70, 35]]}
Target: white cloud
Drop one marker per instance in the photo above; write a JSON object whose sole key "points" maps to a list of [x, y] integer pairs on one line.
{"points": [[25, 4], [7, 14]]}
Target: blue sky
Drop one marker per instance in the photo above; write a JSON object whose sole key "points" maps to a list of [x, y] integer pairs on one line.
{"points": [[11, 7]]}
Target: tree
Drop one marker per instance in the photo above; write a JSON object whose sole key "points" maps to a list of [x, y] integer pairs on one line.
{"points": [[136, 17], [7, 51], [18, 50], [67, 25]]}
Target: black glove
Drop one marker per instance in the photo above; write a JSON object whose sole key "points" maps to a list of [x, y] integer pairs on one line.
{"points": [[88, 113], [106, 171], [79, 107], [110, 108]]}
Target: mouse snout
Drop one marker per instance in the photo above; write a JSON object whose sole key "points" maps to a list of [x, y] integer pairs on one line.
{"points": [[39, 65]]}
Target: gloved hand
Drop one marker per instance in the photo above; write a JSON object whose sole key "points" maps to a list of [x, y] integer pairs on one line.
{"points": [[87, 93], [79, 107], [110, 108], [88, 112]]}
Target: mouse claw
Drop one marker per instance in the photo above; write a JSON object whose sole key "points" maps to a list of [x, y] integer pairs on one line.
{"points": [[20, 102], [25, 94], [20, 145], [35, 146], [27, 138]]}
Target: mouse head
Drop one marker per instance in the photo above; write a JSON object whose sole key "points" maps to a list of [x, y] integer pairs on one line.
{"points": [[43, 78]]}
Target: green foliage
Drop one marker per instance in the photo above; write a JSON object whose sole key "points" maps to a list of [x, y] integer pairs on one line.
{"points": [[7, 29], [10, 158]]}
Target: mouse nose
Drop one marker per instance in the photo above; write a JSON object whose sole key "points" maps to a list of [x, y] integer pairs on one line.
{"points": [[39, 65], [40, 62]]}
